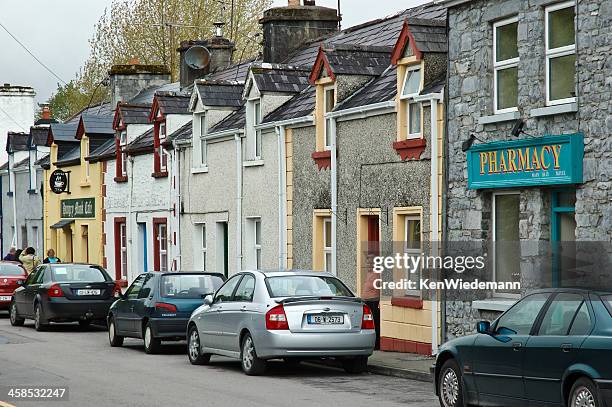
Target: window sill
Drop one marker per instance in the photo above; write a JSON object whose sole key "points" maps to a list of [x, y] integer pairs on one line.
{"points": [[322, 159], [199, 170], [120, 179], [407, 302], [410, 149], [499, 118], [32, 191], [500, 305], [160, 174], [554, 109], [85, 184], [253, 163]]}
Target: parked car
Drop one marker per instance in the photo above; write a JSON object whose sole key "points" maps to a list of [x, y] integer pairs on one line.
{"points": [[11, 274], [64, 292], [158, 305], [292, 315], [553, 348]]}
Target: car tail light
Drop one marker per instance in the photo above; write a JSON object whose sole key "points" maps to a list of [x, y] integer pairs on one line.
{"points": [[276, 318], [117, 291], [367, 321], [164, 306], [55, 291]]}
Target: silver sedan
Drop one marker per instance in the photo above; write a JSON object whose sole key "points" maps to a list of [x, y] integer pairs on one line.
{"points": [[292, 315]]}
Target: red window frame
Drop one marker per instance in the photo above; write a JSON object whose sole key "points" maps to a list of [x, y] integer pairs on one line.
{"points": [[120, 172], [119, 275], [157, 243], [158, 153]]}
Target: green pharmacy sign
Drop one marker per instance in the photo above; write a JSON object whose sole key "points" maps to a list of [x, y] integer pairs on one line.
{"points": [[546, 160], [78, 208]]}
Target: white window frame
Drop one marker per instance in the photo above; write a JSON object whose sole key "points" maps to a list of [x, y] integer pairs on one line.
{"points": [[162, 239], [326, 142], [409, 101], [203, 147], [257, 243], [161, 152], [122, 146], [123, 249], [85, 154], [326, 249], [32, 169], [411, 251], [493, 222], [557, 52], [501, 65], [203, 244], [257, 132]]}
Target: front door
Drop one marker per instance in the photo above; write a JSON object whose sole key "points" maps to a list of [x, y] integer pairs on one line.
{"points": [[498, 358], [563, 233], [555, 348]]}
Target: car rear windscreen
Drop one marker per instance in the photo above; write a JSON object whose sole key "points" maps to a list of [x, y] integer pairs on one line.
{"points": [[189, 285], [306, 286], [607, 300], [77, 273], [10, 270]]}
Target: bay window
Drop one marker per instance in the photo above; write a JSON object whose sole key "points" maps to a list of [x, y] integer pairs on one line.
{"points": [[560, 39], [505, 65]]}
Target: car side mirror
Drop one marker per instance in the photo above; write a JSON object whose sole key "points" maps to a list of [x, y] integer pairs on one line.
{"points": [[483, 327], [208, 299]]}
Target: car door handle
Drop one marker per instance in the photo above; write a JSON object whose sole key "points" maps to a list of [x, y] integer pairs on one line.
{"points": [[243, 309], [566, 347], [219, 309], [517, 346]]}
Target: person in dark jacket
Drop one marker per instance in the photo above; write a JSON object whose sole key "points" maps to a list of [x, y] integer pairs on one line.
{"points": [[18, 254], [51, 257], [11, 255]]}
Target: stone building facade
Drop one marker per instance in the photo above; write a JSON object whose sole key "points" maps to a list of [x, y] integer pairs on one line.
{"points": [[548, 76]]}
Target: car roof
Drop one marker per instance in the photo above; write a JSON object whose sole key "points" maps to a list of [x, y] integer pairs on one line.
{"points": [[582, 290], [292, 272]]}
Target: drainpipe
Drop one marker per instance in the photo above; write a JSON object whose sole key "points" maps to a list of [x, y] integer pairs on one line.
{"points": [[239, 170], [282, 199], [334, 194], [177, 204], [128, 223]]}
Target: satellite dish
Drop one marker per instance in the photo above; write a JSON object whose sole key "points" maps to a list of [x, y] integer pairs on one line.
{"points": [[197, 57]]}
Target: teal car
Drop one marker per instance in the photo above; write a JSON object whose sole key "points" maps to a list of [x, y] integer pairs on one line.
{"points": [[551, 348]]}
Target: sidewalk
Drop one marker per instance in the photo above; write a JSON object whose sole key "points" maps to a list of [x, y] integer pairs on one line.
{"points": [[404, 365]]}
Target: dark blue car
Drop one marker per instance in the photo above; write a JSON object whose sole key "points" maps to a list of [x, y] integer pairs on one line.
{"points": [[158, 305]]}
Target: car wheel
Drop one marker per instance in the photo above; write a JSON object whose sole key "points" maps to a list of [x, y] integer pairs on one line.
{"points": [[252, 365], [16, 320], [357, 364], [151, 344], [196, 357], [39, 322], [450, 385], [114, 339], [583, 394]]}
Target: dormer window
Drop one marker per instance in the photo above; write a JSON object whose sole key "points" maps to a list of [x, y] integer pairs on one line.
{"points": [[163, 157], [257, 121], [123, 152], [203, 146], [329, 102], [410, 88]]}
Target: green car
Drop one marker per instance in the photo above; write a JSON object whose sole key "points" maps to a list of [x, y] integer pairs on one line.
{"points": [[551, 348]]}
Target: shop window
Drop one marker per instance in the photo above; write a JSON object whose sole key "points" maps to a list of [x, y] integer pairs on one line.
{"points": [[160, 230], [560, 39], [505, 65], [507, 253]]}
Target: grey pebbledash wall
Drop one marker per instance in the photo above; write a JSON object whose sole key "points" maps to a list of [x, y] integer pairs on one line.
{"points": [[470, 96]]}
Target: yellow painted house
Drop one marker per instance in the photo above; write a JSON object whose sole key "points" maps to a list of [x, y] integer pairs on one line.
{"points": [[74, 190]]}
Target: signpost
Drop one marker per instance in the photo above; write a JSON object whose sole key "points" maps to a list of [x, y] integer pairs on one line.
{"points": [[546, 160]]}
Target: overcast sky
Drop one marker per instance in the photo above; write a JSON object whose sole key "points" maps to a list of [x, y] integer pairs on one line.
{"points": [[57, 32]]}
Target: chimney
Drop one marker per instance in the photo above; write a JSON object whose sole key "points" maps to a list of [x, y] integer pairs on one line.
{"points": [[126, 81], [198, 58], [45, 113], [286, 29]]}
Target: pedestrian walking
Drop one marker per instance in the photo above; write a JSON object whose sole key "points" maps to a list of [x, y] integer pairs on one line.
{"points": [[29, 260], [11, 255], [51, 258]]}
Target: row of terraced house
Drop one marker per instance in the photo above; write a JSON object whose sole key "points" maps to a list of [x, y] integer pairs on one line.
{"points": [[455, 121]]}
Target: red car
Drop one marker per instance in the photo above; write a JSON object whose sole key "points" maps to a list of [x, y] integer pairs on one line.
{"points": [[10, 274]]}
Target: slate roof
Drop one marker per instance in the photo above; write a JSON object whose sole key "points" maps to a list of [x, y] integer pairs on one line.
{"points": [[358, 59], [17, 141], [64, 132], [72, 157], [300, 105], [220, 93], [134, 113], [103, 152], [182, 134], [280, 78], [101, 109], [98, 124], [38, 135], [237, 72], [429, 35], [16, 166], [145, 96], [236, 120], [380, 89], [44, 162], [173, 102], [143, 143]]}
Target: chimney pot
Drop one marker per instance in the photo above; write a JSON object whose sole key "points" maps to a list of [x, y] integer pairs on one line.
{"points": [[294, 3], [46, 113]]}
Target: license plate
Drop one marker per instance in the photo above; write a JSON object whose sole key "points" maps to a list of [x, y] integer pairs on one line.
{"points": [[5, 297], [88, 292], [326, 319]]}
